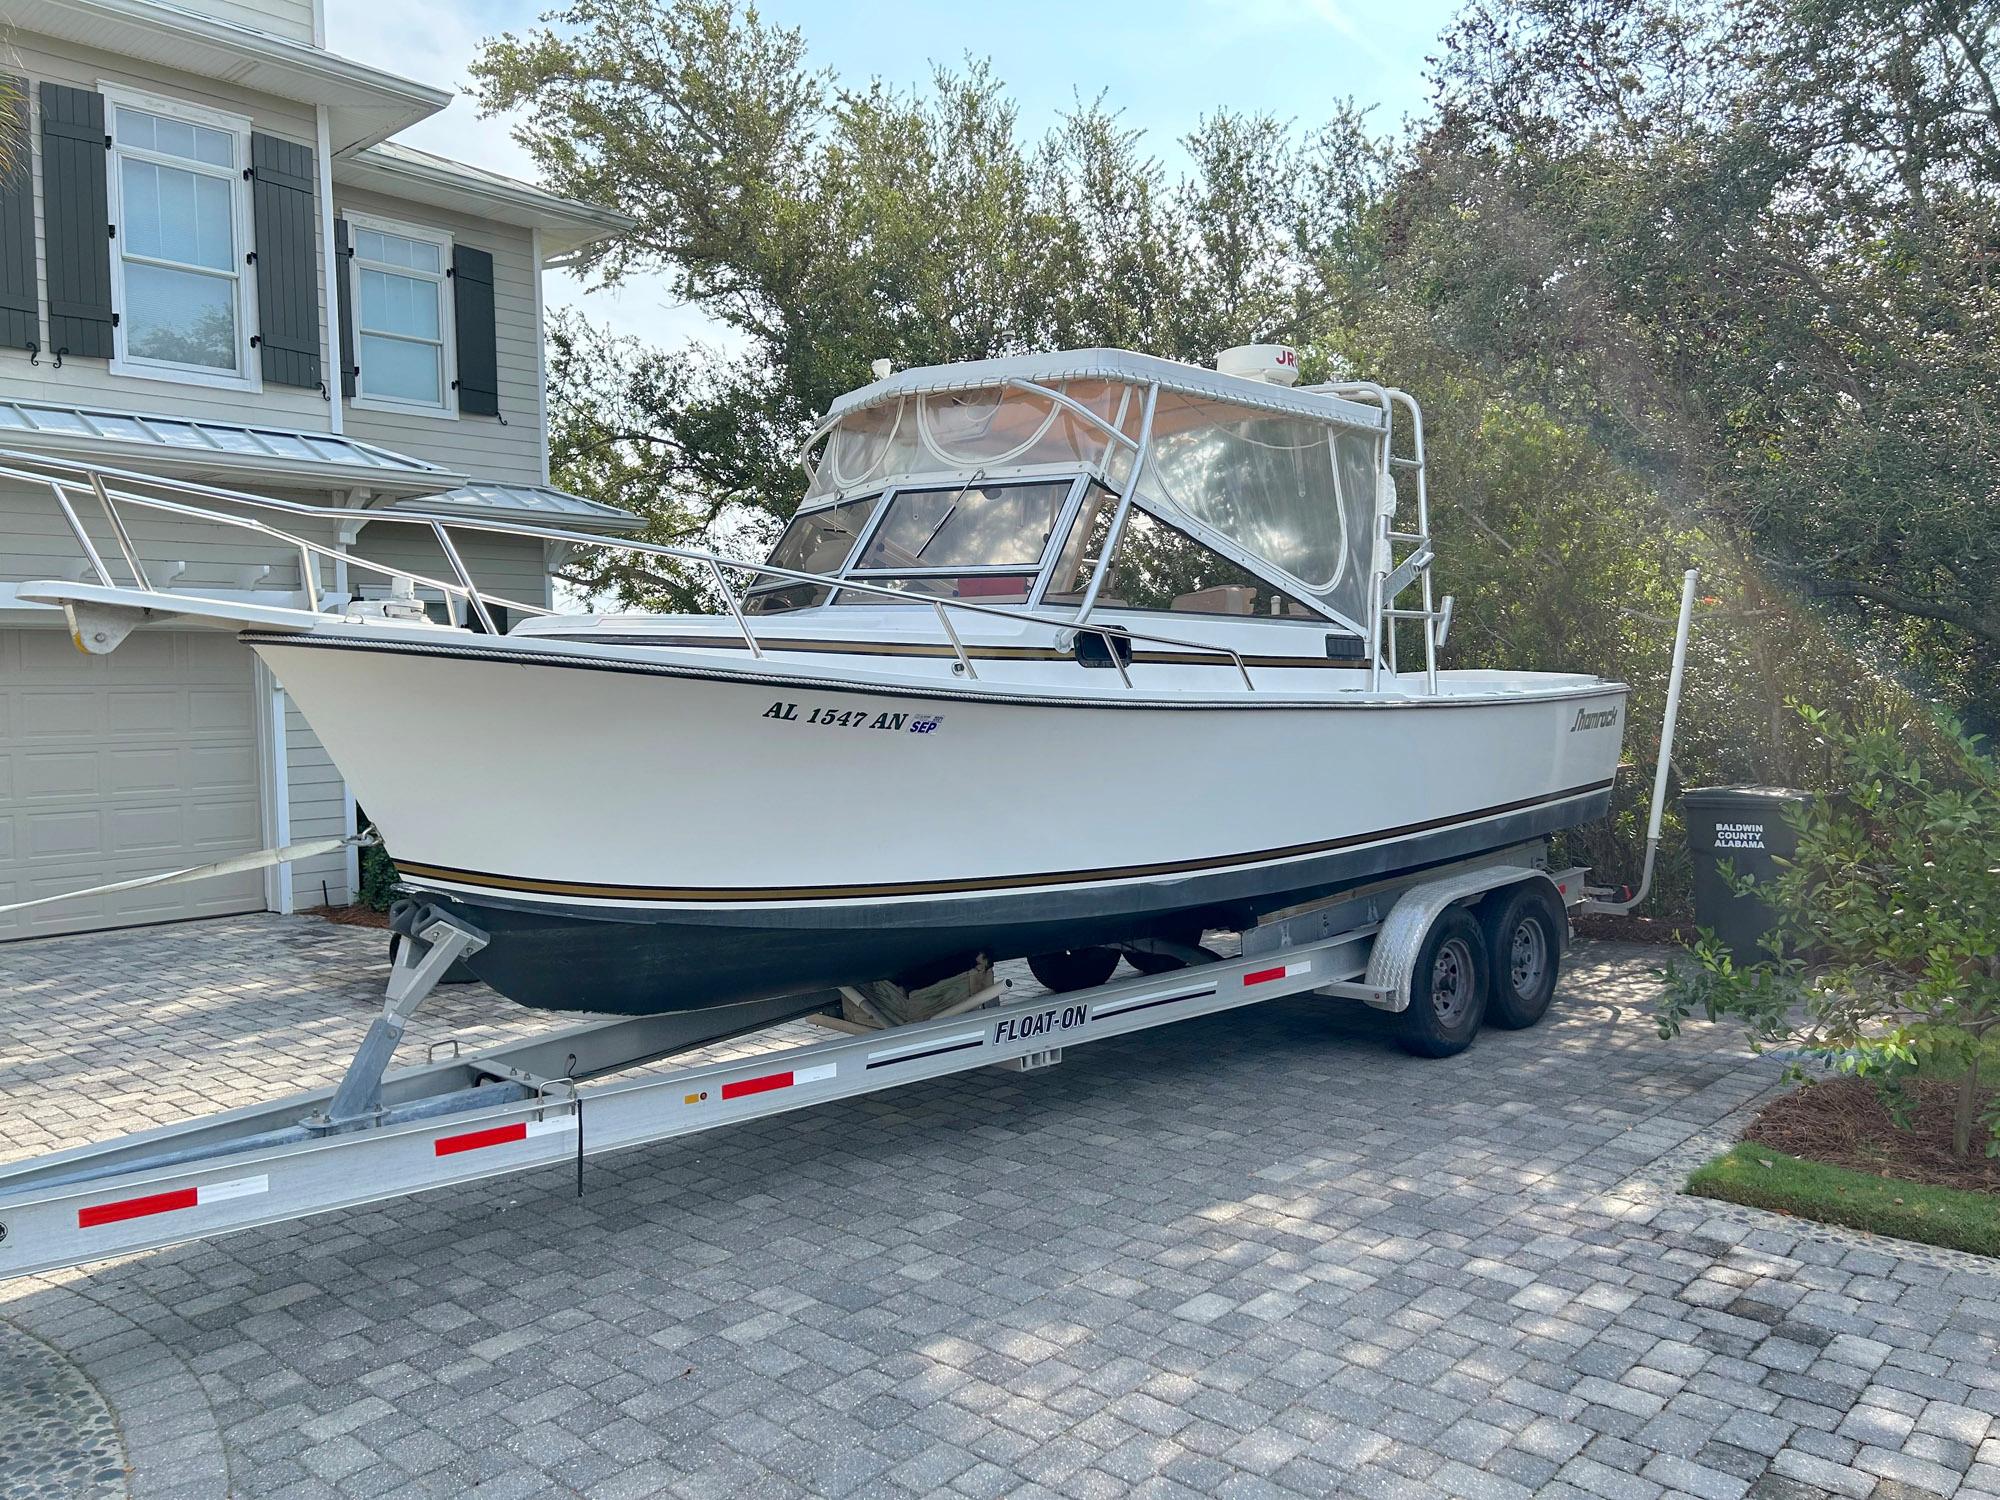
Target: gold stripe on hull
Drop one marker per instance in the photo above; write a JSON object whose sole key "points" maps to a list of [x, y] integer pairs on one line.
{"points": [[522, 885]]}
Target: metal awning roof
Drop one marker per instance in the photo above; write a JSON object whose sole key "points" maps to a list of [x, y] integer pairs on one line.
{"points": [[201, 446], [1120, 365], [533, 501]]}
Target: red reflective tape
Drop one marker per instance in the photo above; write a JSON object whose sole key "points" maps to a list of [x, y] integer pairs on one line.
{"points": [[762, 1085], [472, 1140], [136, 1208], [1264, 976]]}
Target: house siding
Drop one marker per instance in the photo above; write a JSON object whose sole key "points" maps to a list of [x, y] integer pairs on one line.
{"points": [[35, 539], [36, 542], [318, 802], [89, 382], [480, 447], [505, 565], [295, 20]]}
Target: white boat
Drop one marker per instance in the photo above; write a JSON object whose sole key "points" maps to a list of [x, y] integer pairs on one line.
{"points": [[1062, 656]]}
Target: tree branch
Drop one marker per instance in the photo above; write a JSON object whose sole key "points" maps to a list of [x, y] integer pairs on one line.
{"points": [[1910, 604]]}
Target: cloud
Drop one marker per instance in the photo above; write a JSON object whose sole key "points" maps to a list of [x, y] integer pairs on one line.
{"points": [[1285, 18], [434, 42]]}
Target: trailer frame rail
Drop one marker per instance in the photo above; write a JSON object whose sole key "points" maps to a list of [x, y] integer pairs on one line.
{"points": [[521, 1108]]}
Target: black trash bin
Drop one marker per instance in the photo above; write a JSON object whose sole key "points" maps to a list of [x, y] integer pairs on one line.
{"points": [[1736, 831]]}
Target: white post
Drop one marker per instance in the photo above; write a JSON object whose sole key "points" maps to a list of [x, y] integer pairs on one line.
{"points": [[330, 299], [1688, 582], [541, 346], [1665, 762]]}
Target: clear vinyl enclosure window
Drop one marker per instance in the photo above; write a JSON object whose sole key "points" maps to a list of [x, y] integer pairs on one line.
{"points": [[1157, 568], [1295, 491], [991, 428]]}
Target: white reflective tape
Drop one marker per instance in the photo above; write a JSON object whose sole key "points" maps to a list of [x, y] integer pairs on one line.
{"points": [[812, 1075], [242, 1187], [551, 1126]]}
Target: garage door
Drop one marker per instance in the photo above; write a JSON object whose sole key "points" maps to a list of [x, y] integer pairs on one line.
{"points": [[128, 764]]}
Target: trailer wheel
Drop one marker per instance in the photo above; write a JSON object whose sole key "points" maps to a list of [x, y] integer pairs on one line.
{"points": [[1524, 949], [1074, 969], [1448, 988]]}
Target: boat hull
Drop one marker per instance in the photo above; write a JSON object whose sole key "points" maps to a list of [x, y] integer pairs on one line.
{"points": [[639, 836], [642, 962]]}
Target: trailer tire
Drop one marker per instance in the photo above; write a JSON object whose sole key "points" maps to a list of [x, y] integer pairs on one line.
{"points": [[1074, 968], [1448, 988], [1524, 949]]}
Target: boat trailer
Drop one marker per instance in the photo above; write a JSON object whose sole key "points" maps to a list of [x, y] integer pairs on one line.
{"points": [[378, 1135]]}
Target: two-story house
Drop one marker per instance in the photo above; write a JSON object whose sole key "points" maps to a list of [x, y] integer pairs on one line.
{"points": [[216, 264]]}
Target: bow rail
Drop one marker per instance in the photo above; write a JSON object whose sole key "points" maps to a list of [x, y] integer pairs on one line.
{"points": [[110, 486]]}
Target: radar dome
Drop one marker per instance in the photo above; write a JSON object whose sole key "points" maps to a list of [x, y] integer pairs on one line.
{"points": [[1275, 364]]}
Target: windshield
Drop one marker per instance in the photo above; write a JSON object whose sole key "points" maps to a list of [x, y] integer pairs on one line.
{"points": [[989, 428], [816, 542], [967, 526], [995, 533]]}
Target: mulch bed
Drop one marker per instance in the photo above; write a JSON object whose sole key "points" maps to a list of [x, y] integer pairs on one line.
{"points": [[1631, 929], [356, 915], [1841, 1121]]}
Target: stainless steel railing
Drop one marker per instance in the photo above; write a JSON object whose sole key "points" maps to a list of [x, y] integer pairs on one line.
{"points": [[110, 487]]}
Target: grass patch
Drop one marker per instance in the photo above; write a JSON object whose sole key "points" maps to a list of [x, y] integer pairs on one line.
{"points": [[1751, 1173]]}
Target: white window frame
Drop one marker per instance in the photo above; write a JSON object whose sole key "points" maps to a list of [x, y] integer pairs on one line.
{"points": [[249, 375], [447, 315]]}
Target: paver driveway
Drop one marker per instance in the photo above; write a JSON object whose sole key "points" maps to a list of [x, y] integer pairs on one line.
{"points": [[1261, 1253]]}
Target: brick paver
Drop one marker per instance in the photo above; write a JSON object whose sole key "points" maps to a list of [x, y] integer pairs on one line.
{"points": [[1257, 1254]]}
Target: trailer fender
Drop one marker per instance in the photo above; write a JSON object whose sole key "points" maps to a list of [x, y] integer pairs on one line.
{"points": [[1392, 961]]}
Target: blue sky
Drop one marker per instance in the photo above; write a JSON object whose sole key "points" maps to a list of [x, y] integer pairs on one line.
{"points": [[1164, 63]]}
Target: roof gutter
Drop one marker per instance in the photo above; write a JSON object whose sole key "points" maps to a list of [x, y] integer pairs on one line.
{"points": [[578, 224], [306, 74]]}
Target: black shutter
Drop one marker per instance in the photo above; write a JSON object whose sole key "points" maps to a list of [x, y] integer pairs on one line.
{"points": [[76, 222], [20, 300], [281, 201], [478, 347], [343, 283]]}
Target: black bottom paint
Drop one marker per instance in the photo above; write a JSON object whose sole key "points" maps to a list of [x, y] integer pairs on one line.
{"points": [[638, 962]]}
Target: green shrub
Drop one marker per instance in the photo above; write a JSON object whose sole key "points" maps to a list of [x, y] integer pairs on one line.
{"points": [[379, 878], [1885, 957]]}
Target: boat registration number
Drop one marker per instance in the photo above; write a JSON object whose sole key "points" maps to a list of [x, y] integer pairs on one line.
{"points": [[888, 721]]}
